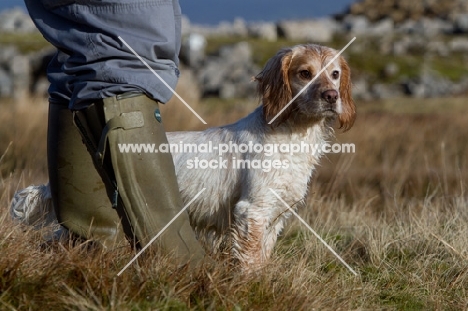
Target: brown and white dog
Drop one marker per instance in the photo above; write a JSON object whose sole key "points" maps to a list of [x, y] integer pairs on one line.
{"points": [[237, 211], [237, 214]]}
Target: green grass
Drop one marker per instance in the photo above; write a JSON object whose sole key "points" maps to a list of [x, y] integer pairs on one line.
{"points": [[24, 42], [454, 67], [372, 64]]}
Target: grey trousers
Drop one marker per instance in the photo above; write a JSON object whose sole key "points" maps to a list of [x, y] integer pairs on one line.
{"points": [[93, 63]]}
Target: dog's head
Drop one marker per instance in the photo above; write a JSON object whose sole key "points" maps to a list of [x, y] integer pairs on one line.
{"points": [[291, 71]]}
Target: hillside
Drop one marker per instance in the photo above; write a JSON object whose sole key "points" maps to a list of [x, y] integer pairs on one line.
{"points": [[401, 10]]}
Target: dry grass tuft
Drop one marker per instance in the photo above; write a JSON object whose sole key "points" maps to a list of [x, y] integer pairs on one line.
{"points": [[396, 211]]}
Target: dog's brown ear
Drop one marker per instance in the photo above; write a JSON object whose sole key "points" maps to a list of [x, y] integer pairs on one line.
{"points": [[274, 88], [348, 115]]}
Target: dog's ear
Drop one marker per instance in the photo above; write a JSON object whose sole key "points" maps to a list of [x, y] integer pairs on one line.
{"points": [[348, 115], [273, 87]]}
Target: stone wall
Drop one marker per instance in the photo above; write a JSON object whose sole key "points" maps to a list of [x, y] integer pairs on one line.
{"points": [[402, 10], [396, 27]]}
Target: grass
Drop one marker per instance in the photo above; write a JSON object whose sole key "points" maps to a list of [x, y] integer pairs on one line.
{"points": [[440, 106], [395, 210], [24, 42]]}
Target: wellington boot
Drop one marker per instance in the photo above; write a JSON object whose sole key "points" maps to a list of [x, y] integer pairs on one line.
{"points": [[78, 193], [146, 182]]}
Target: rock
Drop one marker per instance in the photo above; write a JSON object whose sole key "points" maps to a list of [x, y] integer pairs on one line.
{"points": [[21, 73], [414, 88], [426, 27], [428, 85], [6, 83], [237, 54], [228, 90], [382, 27], [38, 62], [236, 28], [461, 23], [239, 27], [360, 25], [390, 70], [431, 27], [386, 44], [192, 51], [229, 73], [40, 87], [410, 44], [16, 20], [438, 47], [7, 53], [15, 72], [459, 45], [211, 76], [401, 10], [383, 91], [315, 30], [263, 30], [402, 46], [356, 24], [406, 27], [361, 89]]}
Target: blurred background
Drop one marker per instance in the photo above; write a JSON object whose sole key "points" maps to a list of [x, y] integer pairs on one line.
{"points": [[415, 50]]}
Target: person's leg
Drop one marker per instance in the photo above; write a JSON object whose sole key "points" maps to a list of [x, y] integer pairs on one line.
{"points": [[78, 193], [97, 65]]}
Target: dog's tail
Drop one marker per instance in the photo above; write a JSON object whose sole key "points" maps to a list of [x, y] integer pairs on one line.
{"points": [[33, 206]]}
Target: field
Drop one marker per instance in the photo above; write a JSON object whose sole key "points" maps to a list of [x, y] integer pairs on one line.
{"points": [[396, 211]]}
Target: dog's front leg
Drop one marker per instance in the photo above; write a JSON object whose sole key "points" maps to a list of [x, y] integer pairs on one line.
{"points": [[248, 232]]}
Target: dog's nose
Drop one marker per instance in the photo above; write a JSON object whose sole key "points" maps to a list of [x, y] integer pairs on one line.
{"points": [[331, 96]]}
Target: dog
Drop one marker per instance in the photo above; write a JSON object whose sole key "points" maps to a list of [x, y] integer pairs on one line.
{"points": [[237, 215]]}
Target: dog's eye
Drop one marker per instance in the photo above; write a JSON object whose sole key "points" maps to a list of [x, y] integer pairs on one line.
{"points": [[306, 74], [335, 74]]}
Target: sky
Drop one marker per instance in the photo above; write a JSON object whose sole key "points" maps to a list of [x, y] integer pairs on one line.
{"points": [[214, 11]]}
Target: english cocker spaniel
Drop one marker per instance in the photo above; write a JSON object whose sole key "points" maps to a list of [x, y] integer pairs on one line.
{"points": [[237, 212]]}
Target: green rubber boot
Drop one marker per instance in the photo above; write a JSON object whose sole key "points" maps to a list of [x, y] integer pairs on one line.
{"points": [[78, 193], [147, 196]]}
